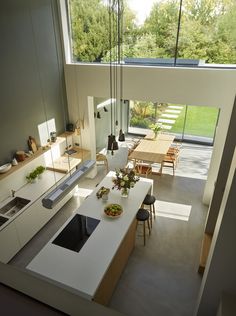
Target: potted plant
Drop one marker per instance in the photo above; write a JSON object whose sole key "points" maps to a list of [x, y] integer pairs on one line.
{"points": [[40, 170], [156, 128], [103, 193], [32, 177]]}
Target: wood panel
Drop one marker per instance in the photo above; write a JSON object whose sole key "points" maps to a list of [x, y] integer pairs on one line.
{"points": [[110, 279], [206, 244]]}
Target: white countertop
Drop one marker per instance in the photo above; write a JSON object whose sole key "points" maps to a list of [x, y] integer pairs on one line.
{"points": [[84, 270], [33, 191]]}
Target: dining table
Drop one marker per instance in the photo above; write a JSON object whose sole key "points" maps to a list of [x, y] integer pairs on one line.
{"points": [[152, 150]]}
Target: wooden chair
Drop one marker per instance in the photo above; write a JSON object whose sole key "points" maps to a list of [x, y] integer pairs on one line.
{"points": [[143, 168], [102, 160], [169, 162]]}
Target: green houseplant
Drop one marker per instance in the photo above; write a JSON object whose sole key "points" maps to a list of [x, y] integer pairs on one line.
{"points": [[40, 170]]}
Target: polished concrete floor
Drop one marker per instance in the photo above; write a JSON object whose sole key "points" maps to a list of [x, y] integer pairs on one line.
{"points": [[160, 278]]}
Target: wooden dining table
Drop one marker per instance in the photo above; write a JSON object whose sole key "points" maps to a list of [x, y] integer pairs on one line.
{"points": [[151, 149]]}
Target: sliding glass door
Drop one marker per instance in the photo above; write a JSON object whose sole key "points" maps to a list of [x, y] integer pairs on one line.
{"points": [[188, 123]]}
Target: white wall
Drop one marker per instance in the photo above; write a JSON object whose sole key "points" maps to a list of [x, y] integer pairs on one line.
{"points": [[219, 275], [203, 87]]}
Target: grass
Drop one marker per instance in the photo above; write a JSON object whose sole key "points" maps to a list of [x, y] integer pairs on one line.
{"points": [[200, 121]]}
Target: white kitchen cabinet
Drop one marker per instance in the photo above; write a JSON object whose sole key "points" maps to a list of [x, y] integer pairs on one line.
{"points": [[9, 242], [35, 217]]}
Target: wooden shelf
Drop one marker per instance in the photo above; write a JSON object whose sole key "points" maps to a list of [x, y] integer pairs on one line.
{"points": [[206, 244], [21, 164]]}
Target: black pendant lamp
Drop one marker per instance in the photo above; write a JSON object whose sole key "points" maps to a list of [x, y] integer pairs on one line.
{"points": [[114, 33], [121, 136], [120, 56]]}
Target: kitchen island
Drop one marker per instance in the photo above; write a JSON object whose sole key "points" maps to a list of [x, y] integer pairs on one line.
{"points": [[94, 271]]}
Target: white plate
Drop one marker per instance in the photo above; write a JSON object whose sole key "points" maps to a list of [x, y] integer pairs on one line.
{"points": [[5, 168]]}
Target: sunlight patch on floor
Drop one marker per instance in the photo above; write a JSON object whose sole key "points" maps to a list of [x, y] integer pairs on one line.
{"points": [[173, 210], [82, 192]]}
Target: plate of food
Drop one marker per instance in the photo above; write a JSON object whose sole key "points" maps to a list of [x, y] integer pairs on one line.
{"points": [[113, 210]]}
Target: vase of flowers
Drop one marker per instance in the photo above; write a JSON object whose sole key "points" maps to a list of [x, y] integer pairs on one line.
{"points": [[156, 128], [124, 180]]}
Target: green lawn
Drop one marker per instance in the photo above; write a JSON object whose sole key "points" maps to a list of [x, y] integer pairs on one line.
{"points": [[200, 121]]}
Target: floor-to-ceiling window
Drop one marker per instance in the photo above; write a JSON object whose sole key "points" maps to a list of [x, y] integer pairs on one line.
{"points": [[188, 123], [156, 32]]}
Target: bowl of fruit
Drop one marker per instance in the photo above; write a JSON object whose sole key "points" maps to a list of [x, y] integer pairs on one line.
{"points": [[113, 210]]}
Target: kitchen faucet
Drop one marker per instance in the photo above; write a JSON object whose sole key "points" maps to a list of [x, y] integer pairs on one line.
{"points": [[13, 193]]}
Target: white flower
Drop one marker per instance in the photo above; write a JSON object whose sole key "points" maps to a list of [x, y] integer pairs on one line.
{"points": [[126, 178], [122, 183]]}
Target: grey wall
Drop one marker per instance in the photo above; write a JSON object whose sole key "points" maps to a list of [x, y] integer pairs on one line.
{"points": [[31, 72]]}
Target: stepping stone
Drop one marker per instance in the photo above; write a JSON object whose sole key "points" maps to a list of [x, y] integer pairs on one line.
{"points": [[177, 107], [172, 111], [170, 115], [166, 126], [166, 121]]}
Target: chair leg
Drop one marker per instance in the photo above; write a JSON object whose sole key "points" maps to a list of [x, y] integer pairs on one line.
{"points": [[150, 212], [153, 209], [149, 227], [144, 234]]}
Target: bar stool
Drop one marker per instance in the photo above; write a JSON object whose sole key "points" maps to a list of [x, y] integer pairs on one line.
{"points": [[150, 200], [143, 216]]}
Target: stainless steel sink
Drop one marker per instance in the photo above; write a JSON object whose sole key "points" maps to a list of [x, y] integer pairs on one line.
{"points": [[14, 206], [3, 220]]}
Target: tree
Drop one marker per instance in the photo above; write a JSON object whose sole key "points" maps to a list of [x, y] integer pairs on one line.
{"points": [[162, 23], [89, 24]]}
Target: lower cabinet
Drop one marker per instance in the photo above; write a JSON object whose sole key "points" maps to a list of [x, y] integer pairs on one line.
{"points": [[34, 218], [9, 242], [15, 235]]}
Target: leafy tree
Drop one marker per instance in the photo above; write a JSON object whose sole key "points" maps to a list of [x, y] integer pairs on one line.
{"points": [[89, 24], [162, 23]]}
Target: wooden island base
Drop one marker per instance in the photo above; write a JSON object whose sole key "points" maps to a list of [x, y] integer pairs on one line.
{"points": [[110, 279]]}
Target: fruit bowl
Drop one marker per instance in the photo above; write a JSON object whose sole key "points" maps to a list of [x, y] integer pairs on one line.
{"points": [[113, 210], [5, 168]]}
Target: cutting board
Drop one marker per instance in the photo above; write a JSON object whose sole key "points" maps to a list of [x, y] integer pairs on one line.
{"points": [[32, 144]]}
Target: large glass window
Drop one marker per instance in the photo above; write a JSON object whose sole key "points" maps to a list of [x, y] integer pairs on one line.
{"points": [[157, 32], [189, 123], [208, 31]]}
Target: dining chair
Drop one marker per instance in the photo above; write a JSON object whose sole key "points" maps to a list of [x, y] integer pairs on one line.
{"points": [[143, 168], [169, 161], [101, 159]]}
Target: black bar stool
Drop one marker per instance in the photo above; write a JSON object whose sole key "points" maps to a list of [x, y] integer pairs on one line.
{"points": [[143, 216], [150, 200]]}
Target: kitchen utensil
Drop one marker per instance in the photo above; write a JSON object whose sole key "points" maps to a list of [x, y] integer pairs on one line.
{"points": [[32, 144]]}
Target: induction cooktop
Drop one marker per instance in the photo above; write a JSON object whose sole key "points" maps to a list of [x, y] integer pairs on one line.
{"points": [[76, 232]]}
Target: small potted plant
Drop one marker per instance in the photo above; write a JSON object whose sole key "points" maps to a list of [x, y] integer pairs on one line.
{"points": [[40, 170], [103, 193], [32, 177]]}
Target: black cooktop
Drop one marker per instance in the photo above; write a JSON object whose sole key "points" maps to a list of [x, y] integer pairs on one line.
{"points": [[76, 232]]}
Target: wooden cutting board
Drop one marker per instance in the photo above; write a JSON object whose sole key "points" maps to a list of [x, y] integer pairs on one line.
{"points": [[32, 144]]}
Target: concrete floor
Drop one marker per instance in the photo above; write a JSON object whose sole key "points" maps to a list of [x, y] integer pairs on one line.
{"points": [[160, 278]]}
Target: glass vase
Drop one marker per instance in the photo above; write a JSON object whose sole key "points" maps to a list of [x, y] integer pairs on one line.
{"points": [[124, 192]]}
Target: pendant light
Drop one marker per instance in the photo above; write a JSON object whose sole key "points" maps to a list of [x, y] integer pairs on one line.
{"points": [[120, 59], [114, 34]]}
